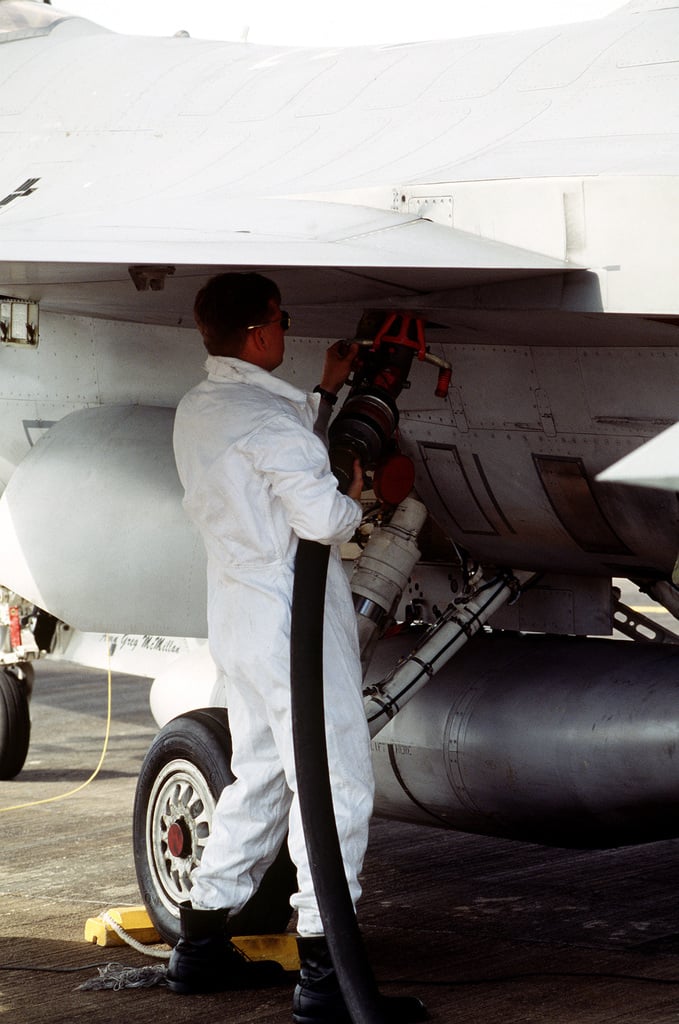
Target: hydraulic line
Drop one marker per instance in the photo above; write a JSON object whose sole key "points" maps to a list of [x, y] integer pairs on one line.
{"points": [[354, 973]]}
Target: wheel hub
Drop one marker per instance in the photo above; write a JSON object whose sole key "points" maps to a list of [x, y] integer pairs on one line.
{"points": [[177, 827], [179, 839]]}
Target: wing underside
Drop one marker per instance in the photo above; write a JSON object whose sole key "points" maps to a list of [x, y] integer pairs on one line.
{"points": [[354, 254]]}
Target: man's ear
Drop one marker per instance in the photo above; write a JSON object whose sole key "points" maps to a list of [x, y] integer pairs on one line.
{"points": [[255, 347], [262, 342]]}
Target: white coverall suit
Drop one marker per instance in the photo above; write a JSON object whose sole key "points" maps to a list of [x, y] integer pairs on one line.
{"points": [[256, 478]]}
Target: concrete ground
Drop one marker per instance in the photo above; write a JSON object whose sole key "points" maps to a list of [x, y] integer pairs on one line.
{"points": [[483, 930]]}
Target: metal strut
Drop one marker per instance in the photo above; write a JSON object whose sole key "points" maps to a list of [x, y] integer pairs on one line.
{"points": [[640, 627], [456, 626]]}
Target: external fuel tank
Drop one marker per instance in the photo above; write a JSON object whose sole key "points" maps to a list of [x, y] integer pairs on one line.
{"points": [[567, 741]]}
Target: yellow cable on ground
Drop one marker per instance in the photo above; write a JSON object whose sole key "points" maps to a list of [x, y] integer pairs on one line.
{"points": [[71, 792]]}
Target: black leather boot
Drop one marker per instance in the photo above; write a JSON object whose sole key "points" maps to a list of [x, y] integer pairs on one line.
{"points": [[318, 999], [205, 959]]}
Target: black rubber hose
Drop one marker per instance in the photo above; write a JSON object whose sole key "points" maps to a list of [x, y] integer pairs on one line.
{"points": [[345, 943]]}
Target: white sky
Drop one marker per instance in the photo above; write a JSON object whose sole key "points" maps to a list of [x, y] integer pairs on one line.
{"points": [[334, 23]]}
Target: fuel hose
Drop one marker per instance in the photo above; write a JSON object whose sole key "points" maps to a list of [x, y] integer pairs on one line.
{"points": [[356, 980]]}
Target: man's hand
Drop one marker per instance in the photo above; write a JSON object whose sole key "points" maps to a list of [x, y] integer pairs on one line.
{"points": [[356, 486], [338, 363]]}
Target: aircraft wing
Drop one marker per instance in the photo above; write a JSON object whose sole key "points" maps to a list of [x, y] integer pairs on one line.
{"points": [[82, 263], [654, 464], [384, 172]]}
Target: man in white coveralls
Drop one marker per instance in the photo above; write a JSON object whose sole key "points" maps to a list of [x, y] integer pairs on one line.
{"points": [[256, 478]]}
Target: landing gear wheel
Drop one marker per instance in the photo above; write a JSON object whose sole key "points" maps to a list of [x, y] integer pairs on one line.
{"points": [[15, 723], [183, 773]]}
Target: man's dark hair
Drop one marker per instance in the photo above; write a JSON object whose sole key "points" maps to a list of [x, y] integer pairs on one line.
{"points": [[227, 304]]}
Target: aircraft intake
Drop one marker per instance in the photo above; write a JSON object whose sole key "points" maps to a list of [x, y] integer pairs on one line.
{"points": [[564, 741]]}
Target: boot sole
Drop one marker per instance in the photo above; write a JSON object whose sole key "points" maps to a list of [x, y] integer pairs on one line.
{"points": [[414, 1015], [184, 988]]}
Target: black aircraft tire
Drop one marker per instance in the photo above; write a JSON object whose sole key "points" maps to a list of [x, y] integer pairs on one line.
{"points": [[15, 724], [183, 773]]}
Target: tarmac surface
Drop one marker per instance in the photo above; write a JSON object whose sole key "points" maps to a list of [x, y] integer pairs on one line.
{"points": [[484, 930]]}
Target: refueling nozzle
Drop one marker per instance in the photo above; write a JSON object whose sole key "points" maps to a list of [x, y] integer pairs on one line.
{"points": [[361, 430], [366, 425]]}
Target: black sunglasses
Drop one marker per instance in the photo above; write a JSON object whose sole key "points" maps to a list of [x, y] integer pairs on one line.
{"points": [[285, 322]]}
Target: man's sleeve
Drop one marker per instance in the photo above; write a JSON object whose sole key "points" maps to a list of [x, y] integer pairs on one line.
{"points": [[296, 465]]}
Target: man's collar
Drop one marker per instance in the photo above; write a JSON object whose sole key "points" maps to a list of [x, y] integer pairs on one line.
{"points": [[228, 368]]}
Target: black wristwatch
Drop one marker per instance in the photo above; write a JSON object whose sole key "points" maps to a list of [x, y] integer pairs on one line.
{"points": [[327, 396]]}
